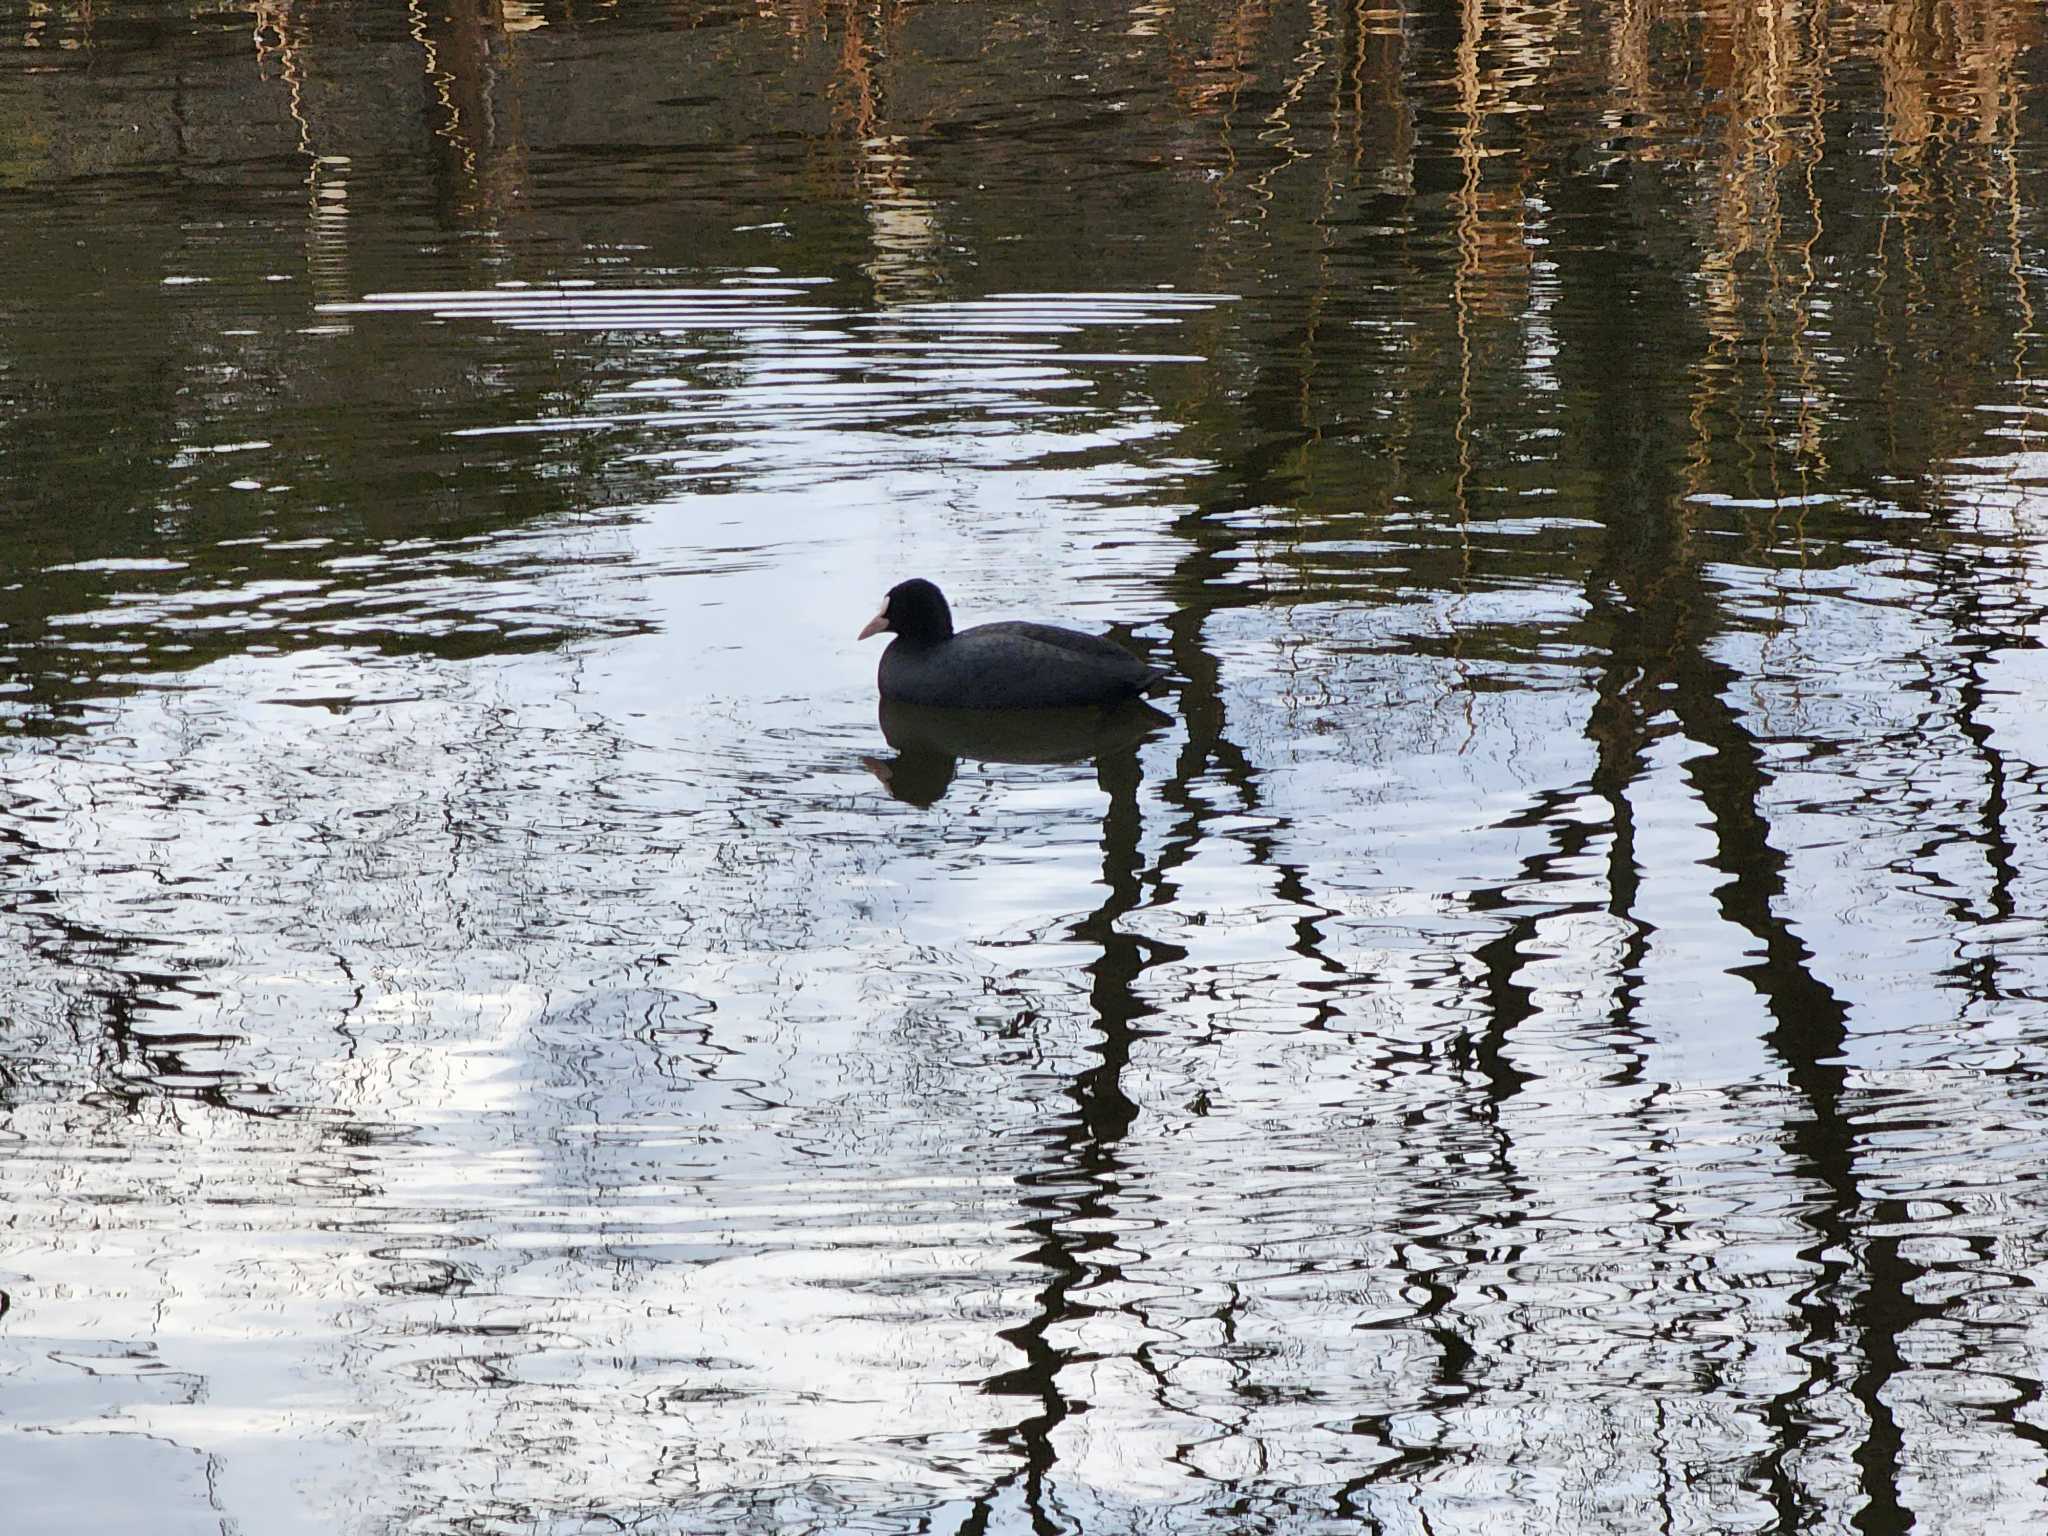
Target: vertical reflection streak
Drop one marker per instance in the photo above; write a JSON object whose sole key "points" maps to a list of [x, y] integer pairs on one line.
{"points": [[1619, 727], [451, 126], [1809, 1033], [1467, 136], [1664, 624], [1279, 130], [1955, 672], [471, 70], [1811, 147], [1083, 1177]]}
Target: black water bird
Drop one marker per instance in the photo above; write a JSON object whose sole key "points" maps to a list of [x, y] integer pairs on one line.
{"points": [[996, 666]]}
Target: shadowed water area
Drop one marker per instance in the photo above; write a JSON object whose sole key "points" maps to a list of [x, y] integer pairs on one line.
{"points": [[1543, 1030]]}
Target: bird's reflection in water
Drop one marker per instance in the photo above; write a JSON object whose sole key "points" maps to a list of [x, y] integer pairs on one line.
{"points": [[929, 742]]}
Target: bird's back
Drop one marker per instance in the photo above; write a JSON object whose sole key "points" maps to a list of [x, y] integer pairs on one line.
{"points": [[1014, 665]]}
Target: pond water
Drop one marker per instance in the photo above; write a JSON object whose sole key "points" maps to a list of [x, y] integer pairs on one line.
{"points": [[1544, 1030]]}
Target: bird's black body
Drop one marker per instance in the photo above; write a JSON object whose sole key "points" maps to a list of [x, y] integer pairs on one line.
{"points": [[997, 666]]}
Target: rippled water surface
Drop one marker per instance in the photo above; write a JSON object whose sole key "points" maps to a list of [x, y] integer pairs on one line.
{"points": [[1544, 1028]]}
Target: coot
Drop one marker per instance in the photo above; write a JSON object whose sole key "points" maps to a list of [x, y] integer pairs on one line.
{"points": [[996, 666]]}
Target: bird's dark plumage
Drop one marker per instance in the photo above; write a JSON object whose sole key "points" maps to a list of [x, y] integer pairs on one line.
{"points": [[996, 666]]}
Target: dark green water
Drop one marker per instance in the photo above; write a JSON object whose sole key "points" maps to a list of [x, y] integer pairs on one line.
{"points": [[1548, 1034]]}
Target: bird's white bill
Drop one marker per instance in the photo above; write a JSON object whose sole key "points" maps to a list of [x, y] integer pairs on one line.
{"points": [[876, 625]]}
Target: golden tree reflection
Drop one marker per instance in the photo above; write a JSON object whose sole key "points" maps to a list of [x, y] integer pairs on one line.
{"points": [[903, 225], [472, 69]]}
